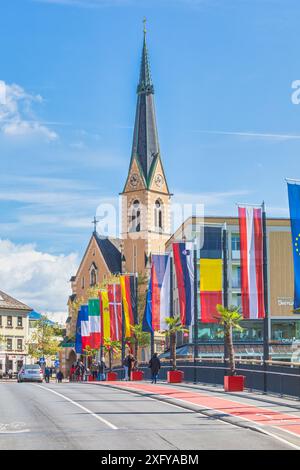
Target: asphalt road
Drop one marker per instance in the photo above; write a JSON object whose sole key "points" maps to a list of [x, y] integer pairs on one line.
{"points": [[83, 416]]}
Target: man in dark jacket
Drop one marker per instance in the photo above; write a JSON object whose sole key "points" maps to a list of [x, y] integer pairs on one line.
{"points": [[154, 365]]}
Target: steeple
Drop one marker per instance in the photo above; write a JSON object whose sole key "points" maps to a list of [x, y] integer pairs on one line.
{"points": [[145, 146]]}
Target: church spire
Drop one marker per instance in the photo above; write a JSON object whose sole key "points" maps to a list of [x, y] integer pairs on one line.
{"points": [[145, 146]]}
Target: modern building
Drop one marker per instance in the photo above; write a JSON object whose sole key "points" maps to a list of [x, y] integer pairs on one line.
{"points": [[13, 333], [284, 325]]}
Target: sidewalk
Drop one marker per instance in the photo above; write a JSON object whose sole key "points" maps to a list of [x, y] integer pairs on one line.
{"points": [[279, 417]]}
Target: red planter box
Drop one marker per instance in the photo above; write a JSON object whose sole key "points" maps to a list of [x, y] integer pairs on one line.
{"points": [[91, 378], [111, 376], [234, 383], [137, 375], [175, 376]]}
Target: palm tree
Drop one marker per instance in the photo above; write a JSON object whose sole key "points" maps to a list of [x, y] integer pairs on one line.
{"points": [[140, 338], [112, 347], [174, 327], [229, 318]]}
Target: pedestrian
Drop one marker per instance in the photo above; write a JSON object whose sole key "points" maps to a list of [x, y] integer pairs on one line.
{"points": [[47, 375], [154, 365], [72, 373], [59, 376], [102, 369], [94, 370], [131, 364], [126, 366]]}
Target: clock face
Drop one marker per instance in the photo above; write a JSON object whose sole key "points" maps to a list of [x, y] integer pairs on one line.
{"points": [[159, 180], [134, 179]]}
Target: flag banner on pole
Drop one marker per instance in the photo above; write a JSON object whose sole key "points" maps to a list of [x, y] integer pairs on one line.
{"points": [[184, 267], [128, 290], [85, 326], [105, 316], [94, 323], [115, 310], [158, 295], [251, 248], [211, 274], [294, 203], [78, 341]]}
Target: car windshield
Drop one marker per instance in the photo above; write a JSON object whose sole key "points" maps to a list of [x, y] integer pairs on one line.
{"points": [[32, 366]]}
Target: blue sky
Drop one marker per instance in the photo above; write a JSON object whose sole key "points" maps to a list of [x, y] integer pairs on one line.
{"points": [[222, 72]]}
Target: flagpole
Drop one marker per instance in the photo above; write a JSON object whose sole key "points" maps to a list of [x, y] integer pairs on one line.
{"points": [[225, 280], [266, 351], [196, 351], [171, 300]]}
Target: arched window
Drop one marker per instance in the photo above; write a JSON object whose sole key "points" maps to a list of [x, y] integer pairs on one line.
{"points": [[135, 217], [93, 275], [158, 216]]}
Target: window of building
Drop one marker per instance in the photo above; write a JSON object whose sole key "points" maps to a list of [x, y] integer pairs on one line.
{"points": [[285, 330], [20, 321], [235, 245], [236, 277], [93, 277], [9, 321], [135, 217], [236, 300], [82, 282], [9, 344], [19, 344], [212, 332], [158, 216]]}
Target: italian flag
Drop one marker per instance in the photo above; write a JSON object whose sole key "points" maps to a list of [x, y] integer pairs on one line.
{"points": [[94, 323]]}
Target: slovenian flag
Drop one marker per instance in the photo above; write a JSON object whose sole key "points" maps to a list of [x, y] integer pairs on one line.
{"points": [[158, 296], [94, 323], [184, 268]]}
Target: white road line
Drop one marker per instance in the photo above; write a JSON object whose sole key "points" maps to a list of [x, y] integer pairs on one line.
{"points": [[110, 425]]}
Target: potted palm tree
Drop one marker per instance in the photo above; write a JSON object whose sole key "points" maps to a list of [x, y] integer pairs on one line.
{"points": [[112, 348], [230, 318], [174, 327], [140, 339]]}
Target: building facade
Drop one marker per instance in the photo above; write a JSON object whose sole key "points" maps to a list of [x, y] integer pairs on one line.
{"points": [[13, 333], [284, 325]]}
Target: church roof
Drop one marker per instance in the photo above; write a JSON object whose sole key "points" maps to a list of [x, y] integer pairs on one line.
{"points": [[110, 253], [8, 302], [145, 146]]}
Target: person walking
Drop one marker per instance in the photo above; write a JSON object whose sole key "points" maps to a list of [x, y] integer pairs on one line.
{"points": [[101, 369], [126, 366], [47, 375], [154, 365], [59, 376], [131, 364]]}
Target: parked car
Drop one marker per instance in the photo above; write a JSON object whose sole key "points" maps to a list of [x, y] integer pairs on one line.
{"points": [[31, 373]]}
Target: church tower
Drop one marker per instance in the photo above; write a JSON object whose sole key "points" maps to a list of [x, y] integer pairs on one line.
{"points": [[146, 196]]}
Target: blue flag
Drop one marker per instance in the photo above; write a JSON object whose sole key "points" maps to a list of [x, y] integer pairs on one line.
{"points": [[294, 202], [78, 340], [147, 319]]}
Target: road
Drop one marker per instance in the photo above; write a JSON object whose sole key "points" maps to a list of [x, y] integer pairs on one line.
{"points": [[83, 416]]}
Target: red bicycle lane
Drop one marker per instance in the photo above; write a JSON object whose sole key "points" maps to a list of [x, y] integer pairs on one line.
{"points": [[258, 415]]}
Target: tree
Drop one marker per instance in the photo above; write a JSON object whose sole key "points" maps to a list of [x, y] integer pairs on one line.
{"points": [[90, 352], [43, 341], [174, 327], [140, 338], [113, 348], [229, 318]]}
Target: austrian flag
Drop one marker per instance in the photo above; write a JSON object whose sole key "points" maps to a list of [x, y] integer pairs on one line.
{"points": [[251, 246]]}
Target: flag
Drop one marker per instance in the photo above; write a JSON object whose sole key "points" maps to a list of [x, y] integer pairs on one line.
{"points": [[115, 310], [294, 203], [94, 323], [184, 268], [105, 315], [78, 341], [128, 289], [158, 295], [85, 326], [211, 274], [251, 247]]}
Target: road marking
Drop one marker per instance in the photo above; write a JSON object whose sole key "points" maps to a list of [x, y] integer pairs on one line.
{"points": [[15, 432], [110, 425]]}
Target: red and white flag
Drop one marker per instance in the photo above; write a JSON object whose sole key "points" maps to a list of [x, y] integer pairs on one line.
{"points": [[251, 246], [115, 310]]}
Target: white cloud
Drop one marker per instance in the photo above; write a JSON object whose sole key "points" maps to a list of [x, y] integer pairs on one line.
{"points": [[17, 116], [41, 280]]}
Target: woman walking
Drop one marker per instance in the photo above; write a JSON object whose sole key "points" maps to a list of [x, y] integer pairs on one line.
{"points": [[154, 365]]}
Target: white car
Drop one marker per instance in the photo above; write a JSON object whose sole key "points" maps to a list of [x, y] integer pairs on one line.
{"points": [[30, 373]]}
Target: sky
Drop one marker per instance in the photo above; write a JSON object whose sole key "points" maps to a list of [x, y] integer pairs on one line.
{"points": [[229, 131]]}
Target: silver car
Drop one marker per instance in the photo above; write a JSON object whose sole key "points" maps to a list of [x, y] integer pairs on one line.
{"points": [[30, 373]]}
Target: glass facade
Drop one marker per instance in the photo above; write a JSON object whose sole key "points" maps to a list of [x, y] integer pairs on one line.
{"points": [[212, 332], [285, 330]]}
